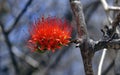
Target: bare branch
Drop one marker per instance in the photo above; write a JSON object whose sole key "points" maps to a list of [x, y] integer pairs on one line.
{"points": [[113, 41], [115, 8], [101, 62], [78, 12], [26, 58], [107, 7], [7, 38], [108, 68], [116, 22], [10, 50], [84, 45], [89, 47], [56, 61], [114, 44], [20, 15]]}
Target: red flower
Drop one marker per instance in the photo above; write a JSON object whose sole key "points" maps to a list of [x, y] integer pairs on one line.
{"points": [[49, 34]]}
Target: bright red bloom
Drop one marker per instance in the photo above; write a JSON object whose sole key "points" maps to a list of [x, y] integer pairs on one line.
{"points": [[49, 34]]}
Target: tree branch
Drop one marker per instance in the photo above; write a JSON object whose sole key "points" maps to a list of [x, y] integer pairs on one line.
{"points": [[78, 12], [113, 40], [101, 62], [108, 68], [20, 15], [116, 22], [84, 45], [57, 60], [10, 50], [114, 44], [107, 7], [88, 46], [6, 33]]}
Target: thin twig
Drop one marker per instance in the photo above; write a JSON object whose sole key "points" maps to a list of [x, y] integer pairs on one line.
{"points": [[114, 24], [10, 50], [29, 60], [56, 61], [6, 33], [101, 62], [20, 15], [106, 7], [114, 44], [108, 68]]}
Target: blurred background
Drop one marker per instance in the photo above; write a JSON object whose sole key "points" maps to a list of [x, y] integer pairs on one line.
{"points": [[16, 17]]}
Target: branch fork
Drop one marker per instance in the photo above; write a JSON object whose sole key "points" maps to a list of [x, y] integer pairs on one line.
{"points": [[88, 46]]}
